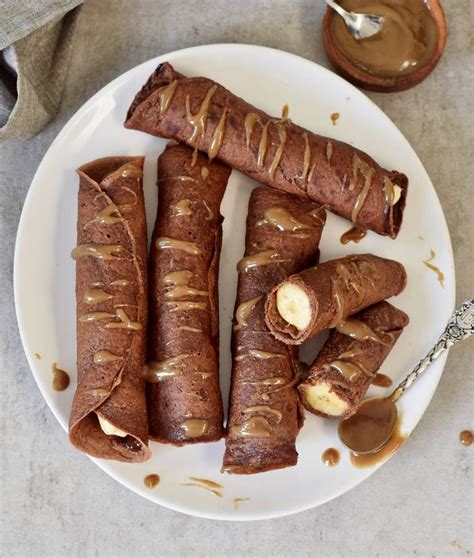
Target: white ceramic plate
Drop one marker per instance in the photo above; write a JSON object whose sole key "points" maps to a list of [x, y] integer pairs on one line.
{"points": [[44, 271]]}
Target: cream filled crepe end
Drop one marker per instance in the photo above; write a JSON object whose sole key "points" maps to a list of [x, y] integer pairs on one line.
{"points": [[108, 417]]}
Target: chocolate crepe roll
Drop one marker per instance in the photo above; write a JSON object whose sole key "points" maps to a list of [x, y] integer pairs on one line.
{"points": [[346, 365], [183, 394], [108, 416], [273, 151], [283, 234], [324, 295]]}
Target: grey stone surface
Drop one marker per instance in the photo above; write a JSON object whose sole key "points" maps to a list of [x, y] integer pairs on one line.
{"points": [[55, 502]]}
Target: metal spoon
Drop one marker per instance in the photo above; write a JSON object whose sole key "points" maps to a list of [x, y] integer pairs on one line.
{"points": [[362, 26], [370, 428]]}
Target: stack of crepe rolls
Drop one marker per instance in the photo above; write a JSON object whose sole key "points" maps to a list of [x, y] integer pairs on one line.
{"points": [[274, 151], [283, 234], [108, 417], [182, 372]]}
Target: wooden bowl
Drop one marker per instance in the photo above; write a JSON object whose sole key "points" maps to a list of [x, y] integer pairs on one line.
{"points": [[356, 75]]}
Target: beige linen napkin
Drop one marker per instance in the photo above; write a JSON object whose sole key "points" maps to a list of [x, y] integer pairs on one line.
{"points": [[35, 48]]}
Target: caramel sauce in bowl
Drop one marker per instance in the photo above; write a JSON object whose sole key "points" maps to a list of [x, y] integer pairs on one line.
{"points": [[402, 55]]}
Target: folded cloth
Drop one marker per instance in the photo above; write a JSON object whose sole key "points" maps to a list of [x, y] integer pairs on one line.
{"points": [[35, 48]]}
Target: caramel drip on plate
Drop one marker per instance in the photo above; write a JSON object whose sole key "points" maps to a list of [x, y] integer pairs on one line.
{"points": [[99, 251], [155, 372], [151, 481], [210, 213], [165, 243], [306, 158], [96, 296], [236, 502], [120, 283], [129, 170], [243, 312], [330, 457], [95, 316], [250, 120], [259, 354], [381, 380], [436, 269], [334, 118], [328, 151], [60, 378], [358, 330], [284, 112], [262, 258], [281, 128], [198, 120], [265, 409], [254, 427], [204, 172], [166, 94], [218, 136], [179, 280], [213, 487], [355, 234], [183, 207], [104, 357], [195, 428], [125, 322], [349, 370], [367, 172], [282, 219], [186, 305]]}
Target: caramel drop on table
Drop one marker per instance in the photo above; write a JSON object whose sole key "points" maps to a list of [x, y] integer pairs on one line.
{"points": [[334, 118], [330, 457], [243, 312], [381, 380], [355, 234], [151, 481], [60, 378], [195, 428], [466, 437]]}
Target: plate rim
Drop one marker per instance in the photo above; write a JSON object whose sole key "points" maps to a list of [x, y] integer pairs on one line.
{"points": [[103, 464]]}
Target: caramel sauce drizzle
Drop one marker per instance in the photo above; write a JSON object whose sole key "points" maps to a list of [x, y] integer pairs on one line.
{"points": [[195, 428], [250, 120], [191, 329], [436, 269], [367, 172], [262, 258], [99, 251], [284, 112], [349, 370], [60, 378], [95, 316], [244, 310], [99, 392], [125, 322], [281, 128], [210, 213], [198, 120], [129, 170], [165, 243], [186, 305], [306, 158], [204, 172], [254, 427], [358, 330], [389, 191], [120, 283], [262, 146], [182, 178], [275, 381], [166, 94], [179, 280], [328, 152], [259, 354], [96, 296], [211, 486], [218, 136], [104, 357], [194, 157], [282, 219], [155, 372], [311, 172], [265, 409], [183, 207]]}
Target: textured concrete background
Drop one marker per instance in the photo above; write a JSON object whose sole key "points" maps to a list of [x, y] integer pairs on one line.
{"points": [[55, 502]]}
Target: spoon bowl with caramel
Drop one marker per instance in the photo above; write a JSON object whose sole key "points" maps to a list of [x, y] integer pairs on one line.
{"points": [[372, 426]]}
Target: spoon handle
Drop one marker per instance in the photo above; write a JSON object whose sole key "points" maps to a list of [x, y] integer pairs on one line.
{"points": [[460, 326], [340, 10]]}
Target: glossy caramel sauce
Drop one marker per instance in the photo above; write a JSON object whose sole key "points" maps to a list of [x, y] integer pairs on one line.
{"points": [[204, 173], [262, 258], [436, 269], [212, 486], [186, 305], [306, 158], [259, 354], [95, 316], [349, 370], [195, 428], [358, 330], [166, 94], [354, 234], [329, 150], [210, 213], [120, 283], [381, 380], [104, 357], [331, 457], [265, 409], [243, 312], [181, 208], [124, 323], [158, 371], [466, 437], [281, 219], [254, 427], [198, 120], [367, 172], [96, 295], [178, 285], [99, 251], [151, 481], [165, 243], [129, 170], [38, 356], [60, 378], [218, 136], [334, 118], [407, 40], [281, 128]]}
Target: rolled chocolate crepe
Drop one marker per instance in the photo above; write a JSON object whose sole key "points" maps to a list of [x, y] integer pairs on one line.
{"points": [[183, 394], [108, 416], [346, 365], [273, 151], [324, 295], [283, 234]]}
